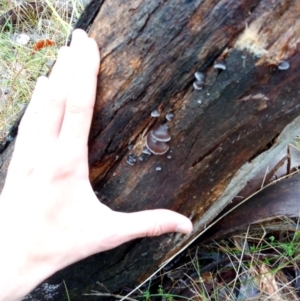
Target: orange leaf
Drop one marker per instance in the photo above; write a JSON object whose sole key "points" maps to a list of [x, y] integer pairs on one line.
{"points": [[42, 44]]}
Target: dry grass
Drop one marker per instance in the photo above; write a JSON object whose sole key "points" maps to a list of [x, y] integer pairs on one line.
{"points": [[259, 264], [20, 64]]}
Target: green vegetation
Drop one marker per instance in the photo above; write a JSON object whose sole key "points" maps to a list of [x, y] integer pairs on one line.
{"points": [[20, 62]]}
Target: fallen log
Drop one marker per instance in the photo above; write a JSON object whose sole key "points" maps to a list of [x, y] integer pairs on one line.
{"points": [[226, 127]]}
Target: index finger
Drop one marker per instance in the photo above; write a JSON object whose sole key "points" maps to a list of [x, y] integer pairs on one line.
{"points": [[81, 98]]}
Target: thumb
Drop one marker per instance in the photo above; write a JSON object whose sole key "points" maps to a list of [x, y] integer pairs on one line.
{"points": [[153, 223]]}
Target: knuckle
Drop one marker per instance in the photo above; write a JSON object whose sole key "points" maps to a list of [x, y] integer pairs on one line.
{"points": [[55, 97], [74, 108], [155, 230]]}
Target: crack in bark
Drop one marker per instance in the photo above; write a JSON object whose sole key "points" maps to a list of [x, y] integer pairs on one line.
{"points": [[89, 14]]}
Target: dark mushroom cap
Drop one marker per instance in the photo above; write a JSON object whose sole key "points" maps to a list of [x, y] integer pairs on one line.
{"points": [[156, 147], [161, 134]]}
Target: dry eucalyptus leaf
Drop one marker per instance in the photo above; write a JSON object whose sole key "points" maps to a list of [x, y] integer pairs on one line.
{"points": [[268, 284]]}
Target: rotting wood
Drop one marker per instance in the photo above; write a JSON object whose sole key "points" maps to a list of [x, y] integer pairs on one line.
{"points": [[221, 135]]}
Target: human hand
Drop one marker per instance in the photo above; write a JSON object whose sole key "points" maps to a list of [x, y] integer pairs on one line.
{"points": [[49, 214]]}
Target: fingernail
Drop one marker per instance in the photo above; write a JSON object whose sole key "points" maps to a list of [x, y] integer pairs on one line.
{"points": [[184, 228], [79, 33]]}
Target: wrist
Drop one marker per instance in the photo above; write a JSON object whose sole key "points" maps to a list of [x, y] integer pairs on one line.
{"points": [[21, 268]]}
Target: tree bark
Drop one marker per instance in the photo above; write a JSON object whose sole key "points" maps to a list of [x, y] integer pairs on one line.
{"points": [[222, 135]]}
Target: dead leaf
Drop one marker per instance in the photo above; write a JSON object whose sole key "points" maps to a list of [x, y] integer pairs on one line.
{"points": [[42, 44], [268, 283], [22, 39]]}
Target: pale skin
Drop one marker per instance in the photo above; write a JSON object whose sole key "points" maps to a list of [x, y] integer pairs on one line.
{"points": [[49, 214]]}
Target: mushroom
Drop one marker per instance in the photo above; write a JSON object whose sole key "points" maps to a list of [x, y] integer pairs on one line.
{"points": [[198, 85], [131, 159], [200, 76], [156, 147], [155, 113], [284, 65], [170, 116], [146, 151], [161, 134], [220, 65]]}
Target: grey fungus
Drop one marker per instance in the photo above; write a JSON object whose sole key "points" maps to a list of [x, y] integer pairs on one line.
{"points": [[200, 76], [170, 116], [156, 140], [131, 159], [284, 65], [146, 151], [220, 65], [198, 85], [199, 82], [155, 113], [161, 133], [156, 147]]}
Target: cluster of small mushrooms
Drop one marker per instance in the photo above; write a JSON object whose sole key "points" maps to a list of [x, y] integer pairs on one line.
{"points": [[200, 76], [156, 140], [221, 65]]}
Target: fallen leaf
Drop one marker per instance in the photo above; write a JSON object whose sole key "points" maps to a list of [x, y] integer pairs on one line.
{"points": [[268, 284], [42, 44], [22, 39]]}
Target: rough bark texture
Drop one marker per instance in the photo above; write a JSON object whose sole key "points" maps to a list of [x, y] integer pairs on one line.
{"points": [[221, 135]]}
